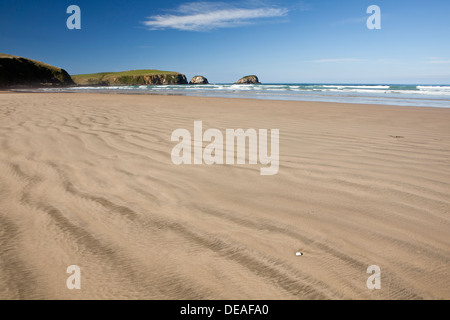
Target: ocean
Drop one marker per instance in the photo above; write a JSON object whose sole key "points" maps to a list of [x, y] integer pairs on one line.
{"points": [[384, 94]]}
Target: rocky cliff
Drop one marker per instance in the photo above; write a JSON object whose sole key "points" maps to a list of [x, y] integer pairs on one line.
{"points": [[134, 77], [199, 80], [248, 80], [21, 72]]}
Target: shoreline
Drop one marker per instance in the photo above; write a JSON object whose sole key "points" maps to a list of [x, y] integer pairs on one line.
{"points": [[410, 95], [25, 91]]}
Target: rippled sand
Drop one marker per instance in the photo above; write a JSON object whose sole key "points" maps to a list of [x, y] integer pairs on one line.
{"points": [[87, 180]]}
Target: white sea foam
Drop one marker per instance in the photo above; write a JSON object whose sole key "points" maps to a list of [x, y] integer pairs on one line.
{"points": [[356, 87], [422, 95], [434, 87]]}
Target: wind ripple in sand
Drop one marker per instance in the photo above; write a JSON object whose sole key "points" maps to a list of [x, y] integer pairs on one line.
{"points": [[87, 180]]}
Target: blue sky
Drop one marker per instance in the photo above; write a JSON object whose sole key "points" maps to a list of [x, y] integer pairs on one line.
{"points": [[321, 41]]}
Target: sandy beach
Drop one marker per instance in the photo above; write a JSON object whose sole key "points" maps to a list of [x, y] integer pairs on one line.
{"points": [[87, 180]]}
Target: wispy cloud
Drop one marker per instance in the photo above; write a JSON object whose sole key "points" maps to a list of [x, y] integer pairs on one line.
{"points": [[301, 6], [204, 16], [360, 20], [436, 60], [353, 20], [337, 60]]}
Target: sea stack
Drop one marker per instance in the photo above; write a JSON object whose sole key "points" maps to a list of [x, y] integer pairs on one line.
{"points": [[21, 72], [199, 80], [249, 80]]}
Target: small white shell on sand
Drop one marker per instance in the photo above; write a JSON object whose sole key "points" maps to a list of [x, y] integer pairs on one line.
{"points": [[299, 254]]}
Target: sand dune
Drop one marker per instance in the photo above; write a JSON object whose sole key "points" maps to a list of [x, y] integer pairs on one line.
{"points": [[87, 180]]}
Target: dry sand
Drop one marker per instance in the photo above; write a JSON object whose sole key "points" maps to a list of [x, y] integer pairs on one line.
{"points": [[87, 180]]}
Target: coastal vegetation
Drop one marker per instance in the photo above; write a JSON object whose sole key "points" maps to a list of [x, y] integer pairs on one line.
{"points": [[22, 72], [132, 77]]}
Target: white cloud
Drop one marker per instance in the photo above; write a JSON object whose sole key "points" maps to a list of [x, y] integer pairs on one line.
{"points": [[337, 60], [353, 20], [203, 16], [360, 20], [436, 60]]}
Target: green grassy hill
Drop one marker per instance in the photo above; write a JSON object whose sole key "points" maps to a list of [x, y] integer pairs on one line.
{"points": [[132, 77], [18, 72]]}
